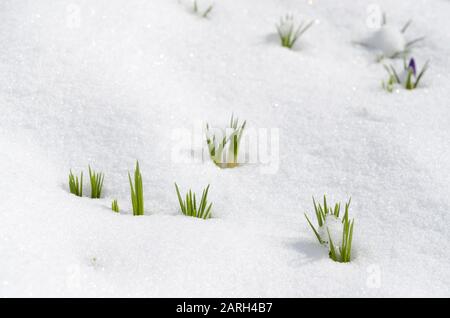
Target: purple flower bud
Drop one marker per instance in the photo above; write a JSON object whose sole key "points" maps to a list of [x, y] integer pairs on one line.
{"points": [[412, 66]]}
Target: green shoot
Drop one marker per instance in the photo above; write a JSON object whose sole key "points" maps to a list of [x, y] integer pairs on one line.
{"points": [[137, 193], [222, 155], [115, 206], [389, 85], [189, 206], [314, 230], [322, 211], [419, 77], [409, 45], [410, 79], [75, 184], [406, 26], [216, 146], [96, 183], [287, 31], [344, 255], [202, 13], [235, 139], [332, 253]]}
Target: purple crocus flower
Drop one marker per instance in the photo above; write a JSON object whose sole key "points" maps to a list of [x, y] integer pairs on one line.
{"points": [[412, 66]]}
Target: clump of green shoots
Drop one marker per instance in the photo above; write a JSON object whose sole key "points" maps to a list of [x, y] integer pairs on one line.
{"points": [[324, 214], [115, 206], [137, 193], [189, 206], [96, 183], [202, 13], [224, 149], [390, 83], [75, 184], [409, 78], [288, 32]]}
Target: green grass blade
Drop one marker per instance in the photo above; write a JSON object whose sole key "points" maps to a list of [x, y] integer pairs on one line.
{"points": [[180, 200], [189, 206], [115, 206], [333, 254]]}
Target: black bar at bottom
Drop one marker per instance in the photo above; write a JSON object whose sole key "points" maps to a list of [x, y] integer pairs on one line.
{"points": [[320, 307]]}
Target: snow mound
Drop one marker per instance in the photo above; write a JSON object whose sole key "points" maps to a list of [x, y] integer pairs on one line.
{"points": [[109, 82]]}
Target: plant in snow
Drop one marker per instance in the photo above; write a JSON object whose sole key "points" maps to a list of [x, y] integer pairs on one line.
{"points": [[189, 206], [224, 149], [115, 206], [390, 41], [96, 183], [288, 32], [75, 184], [201, 12], [137, 192], [343, 253], [333, 231], [409, 77]]}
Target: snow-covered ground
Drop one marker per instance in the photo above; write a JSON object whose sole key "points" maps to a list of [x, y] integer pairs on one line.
{"points": [[107, 82]]}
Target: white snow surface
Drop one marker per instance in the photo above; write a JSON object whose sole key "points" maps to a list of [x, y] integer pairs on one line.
{"points": [[107, 82], [388, 40]]}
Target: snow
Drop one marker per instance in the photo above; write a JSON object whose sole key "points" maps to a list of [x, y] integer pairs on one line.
{"points": [[108, 82], [388, 40], [287, 26], [333, 226]]}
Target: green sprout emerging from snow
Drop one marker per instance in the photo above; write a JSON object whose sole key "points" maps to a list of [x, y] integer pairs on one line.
{"points": [[224, 150], [96, 183], [409, 44], [198, 11], [289, 33], [189, 206], [75, 184], [137, 192], [409, 78], [115, 206], [327, 214], [344, 254]]}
